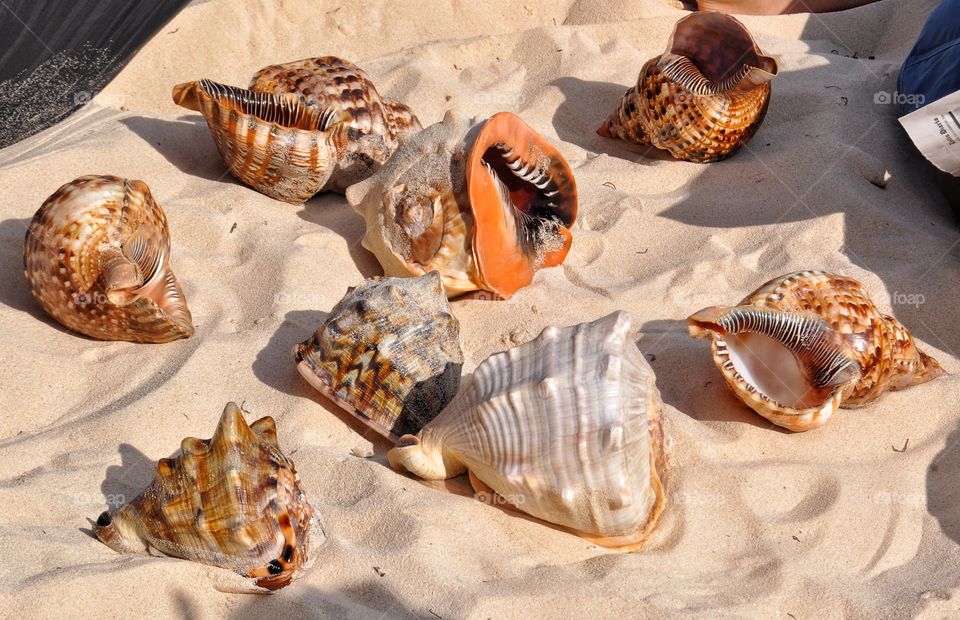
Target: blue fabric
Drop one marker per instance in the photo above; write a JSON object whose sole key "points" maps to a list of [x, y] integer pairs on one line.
{"points": [[932, 69]]}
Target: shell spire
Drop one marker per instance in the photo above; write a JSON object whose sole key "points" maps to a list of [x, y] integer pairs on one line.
{"points": [[232, 501], [566, 428], [389, 353], [96, 256], [704, 97], [807, 343], [486, 203]]}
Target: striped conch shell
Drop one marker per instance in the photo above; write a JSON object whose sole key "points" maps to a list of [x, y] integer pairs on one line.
{"points": [[303, 127], [389, 353], [484, 202], [704, 97], [232, 501], [806, 343], [97, 258], [566, 428]]}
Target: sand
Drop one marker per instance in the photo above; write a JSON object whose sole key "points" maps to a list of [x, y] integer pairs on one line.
{"points": [[839, 521]]}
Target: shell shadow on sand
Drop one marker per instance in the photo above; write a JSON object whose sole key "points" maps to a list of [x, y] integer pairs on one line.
{"points": [[943, 492], [123, 482], [184, 142]]}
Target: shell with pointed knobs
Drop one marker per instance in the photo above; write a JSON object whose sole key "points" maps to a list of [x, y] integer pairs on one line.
{"points": [[232, 501], [704, 97], [566, 428], [806, 343], [97, 258], [484, 202], [389, 353]]}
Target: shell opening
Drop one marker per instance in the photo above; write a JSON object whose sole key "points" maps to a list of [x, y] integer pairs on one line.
{"points": [[284, 110], [719, 45], [794, 360]]}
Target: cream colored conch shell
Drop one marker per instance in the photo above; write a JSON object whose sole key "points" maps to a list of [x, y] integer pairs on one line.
{"points": [[806, 343], [486, 203], [704, 97], [97, 258], [232, 501], [389, 353], [566, 428]]}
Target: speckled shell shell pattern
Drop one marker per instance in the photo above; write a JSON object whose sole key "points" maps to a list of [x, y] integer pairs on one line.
{"points": [[704, 97], [566, 428], [96, 256], [232, 501], [486, 202], [377, 124], [389, 353], [850, 351]]}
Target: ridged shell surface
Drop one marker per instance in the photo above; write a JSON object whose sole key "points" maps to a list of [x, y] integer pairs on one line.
{"points": [[232, 501], [96, 256], [484, 202], [806, 343], [566, 428], [702, 99], [389, 353]]}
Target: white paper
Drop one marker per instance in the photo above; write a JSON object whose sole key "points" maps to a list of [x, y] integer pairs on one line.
{"points": [[935, 129]]}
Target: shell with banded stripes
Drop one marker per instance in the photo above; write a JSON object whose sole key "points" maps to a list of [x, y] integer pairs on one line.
{"points": [[486, 202], [704, 97], [232, 501], [806, 343], [273, 143], [566, 428], [97, 256], [389, 353]]}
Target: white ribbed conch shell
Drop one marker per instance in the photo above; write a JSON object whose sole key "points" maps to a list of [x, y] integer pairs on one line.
{"points": [[566, 428], [97, 256], [232, 501]]}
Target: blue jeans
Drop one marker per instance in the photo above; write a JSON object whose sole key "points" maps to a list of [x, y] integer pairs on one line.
{"points": [[932, 69]]}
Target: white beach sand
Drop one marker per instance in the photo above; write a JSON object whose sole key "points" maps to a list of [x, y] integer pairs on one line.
{"points": [[760, 522]]}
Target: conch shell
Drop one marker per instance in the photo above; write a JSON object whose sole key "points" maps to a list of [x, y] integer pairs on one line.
{"points": [[97, 258], [565, 428], [704, 97], [389, 353], [486, 203], [232, 501], [303, 127], [806, 343]]}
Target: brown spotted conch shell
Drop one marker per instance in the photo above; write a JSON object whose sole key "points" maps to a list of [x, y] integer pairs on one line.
{"points": [[704, 97], [303, 127], [484, 202], [389, 353], [806, 343], [232, 501], [566, 428], [97, 258]]}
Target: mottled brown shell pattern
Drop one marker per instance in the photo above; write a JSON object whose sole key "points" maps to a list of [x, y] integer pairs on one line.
{"points": [[884, 349], [702, 99], [389, 353], [97, 258], [232, 501], [377, 124]]}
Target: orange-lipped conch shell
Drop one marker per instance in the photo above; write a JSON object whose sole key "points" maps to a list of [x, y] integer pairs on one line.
{"points": [[704, 97], [389, 353], [806, 343], [566, 428], [484, 202], [232, 501], [97, 258]]}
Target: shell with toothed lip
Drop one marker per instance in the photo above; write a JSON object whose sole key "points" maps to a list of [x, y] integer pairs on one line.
{"points": [[566, 428], [232, 501], [97, 258], [303, 127], [389, 353], [804, 344], [484, 202], [704, 97]]}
